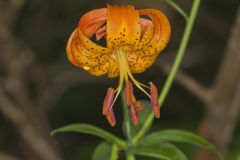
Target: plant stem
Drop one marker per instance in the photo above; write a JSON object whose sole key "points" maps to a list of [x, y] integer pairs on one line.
{"points": [[127, 127], [114, 153], [146, 126], [178, 9], [181, 51], [130, 156], [174, 69], [126, 120]]}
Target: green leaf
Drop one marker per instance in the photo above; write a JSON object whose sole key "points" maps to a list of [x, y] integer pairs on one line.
{"points": [[180, 136], [106, 151], [93, 130], [102, 151], [164, 151]]}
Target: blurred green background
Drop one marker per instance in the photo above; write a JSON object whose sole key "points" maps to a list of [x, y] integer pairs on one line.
{"points": [[41, 90]]}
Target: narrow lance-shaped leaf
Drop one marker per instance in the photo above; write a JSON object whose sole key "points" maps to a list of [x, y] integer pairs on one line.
{"points": [[93, 130], [102, 151], [180, 136], [163, 151]]}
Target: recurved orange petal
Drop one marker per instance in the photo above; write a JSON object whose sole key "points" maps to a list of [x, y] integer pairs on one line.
{"points": [[70, 52], [139, 61], [123, 26], [161, 30], [101, 32], [79, 54], [84, 53], [156, 34], [92, 21]]}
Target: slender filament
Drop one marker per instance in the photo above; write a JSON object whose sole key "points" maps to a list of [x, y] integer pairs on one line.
{"points": [[125, 70]]}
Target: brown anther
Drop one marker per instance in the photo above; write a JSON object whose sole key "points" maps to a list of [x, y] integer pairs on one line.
{"points": [[108, 101], [111, 117], [134, 106], [134, 114], [128, 93], [154, 100]]}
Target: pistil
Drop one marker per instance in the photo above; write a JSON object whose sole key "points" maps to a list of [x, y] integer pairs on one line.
{"points": [[134, 106]]}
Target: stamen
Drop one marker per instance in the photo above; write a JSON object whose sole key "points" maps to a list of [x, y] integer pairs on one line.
{"points": [[108, 101], [134, 114], [111, 118], [128, 93], [121, 74], [154, 100], [138, 84], [134, 106], [123, 59]]}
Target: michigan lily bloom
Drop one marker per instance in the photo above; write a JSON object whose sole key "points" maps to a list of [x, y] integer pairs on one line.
{"points": [[132, 45]]}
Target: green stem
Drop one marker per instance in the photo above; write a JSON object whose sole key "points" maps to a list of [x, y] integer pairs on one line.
{"points": [[127, 127], [130, 156], [126, 120], [114, 153], [178, 9], [181, 51], [174, 69], [146, 126]]}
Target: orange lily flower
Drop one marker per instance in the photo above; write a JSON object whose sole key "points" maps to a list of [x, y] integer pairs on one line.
{"points": [[133, 44]]}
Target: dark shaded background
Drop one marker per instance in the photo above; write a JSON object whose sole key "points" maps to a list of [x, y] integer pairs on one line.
{"points": [[40, 89]]}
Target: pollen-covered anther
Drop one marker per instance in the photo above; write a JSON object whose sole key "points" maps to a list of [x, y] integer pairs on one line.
{"points": [[134, 114], [111, 117], [154, 100], [134, 106], [107, 104], [128, 93], [107, 107]]}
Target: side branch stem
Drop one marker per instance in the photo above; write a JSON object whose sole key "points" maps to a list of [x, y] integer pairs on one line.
{"points": [[178, 9]]}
